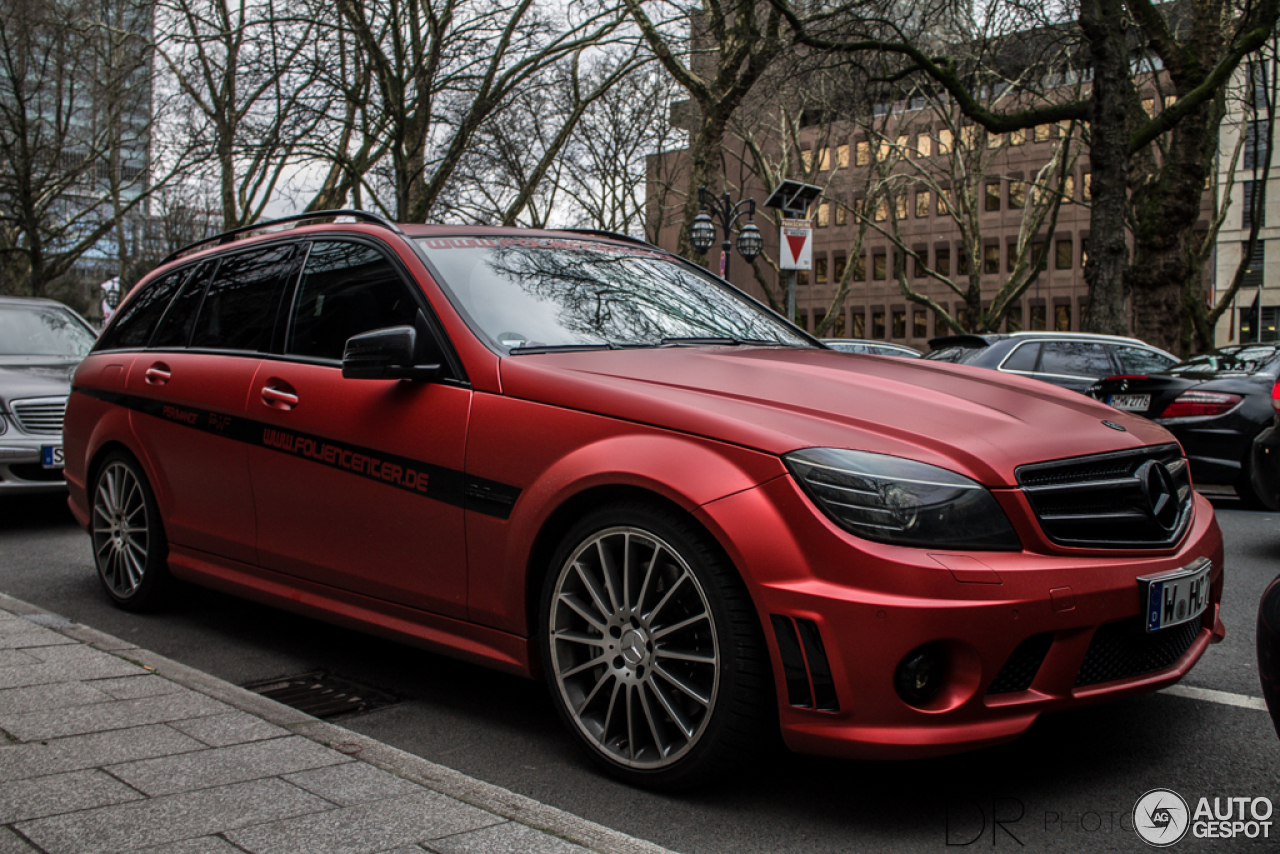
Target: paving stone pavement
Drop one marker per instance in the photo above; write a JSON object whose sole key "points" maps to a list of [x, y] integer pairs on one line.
{"points": [[105, 746]]}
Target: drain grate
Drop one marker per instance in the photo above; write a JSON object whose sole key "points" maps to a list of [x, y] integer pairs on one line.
{"points": [[323, 695]]}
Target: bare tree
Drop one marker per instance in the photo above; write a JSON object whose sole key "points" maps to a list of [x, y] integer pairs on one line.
{"points": [[1197, 45], [239, 65], [76, 126]]}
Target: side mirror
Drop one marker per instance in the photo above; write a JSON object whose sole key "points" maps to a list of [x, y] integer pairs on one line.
{"points": [[385, 354]]}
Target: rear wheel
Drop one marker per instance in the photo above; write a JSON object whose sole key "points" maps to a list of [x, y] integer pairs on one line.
{"points": [[652, 648], [129, 546]]}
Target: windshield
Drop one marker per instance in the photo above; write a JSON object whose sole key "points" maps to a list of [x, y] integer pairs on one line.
{"points": [[531, 294], [42, 331], [1236, 360]]}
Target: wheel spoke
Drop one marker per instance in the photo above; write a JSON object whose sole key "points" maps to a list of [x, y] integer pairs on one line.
{"points": [[658, 741], [609, 571], [600, 683], [578, 637], [592, 588], [581, 611], [649, 573], [691, 691], [682, 655], [653, 615], [683, 624], [667, 706]]}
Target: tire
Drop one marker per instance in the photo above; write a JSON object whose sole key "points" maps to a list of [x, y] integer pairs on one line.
{"points": [[129, 545], [652, 649]]}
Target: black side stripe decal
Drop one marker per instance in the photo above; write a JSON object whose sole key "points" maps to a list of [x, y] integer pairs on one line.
{"points": [[449, 486]]}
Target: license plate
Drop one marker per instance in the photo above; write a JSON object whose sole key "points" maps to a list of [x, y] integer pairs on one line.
{"points": [[51, 456], [1130, 402], [1176, 597]]}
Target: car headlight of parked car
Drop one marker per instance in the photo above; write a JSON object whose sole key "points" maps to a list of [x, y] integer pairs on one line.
{"points": [[903, 502]]}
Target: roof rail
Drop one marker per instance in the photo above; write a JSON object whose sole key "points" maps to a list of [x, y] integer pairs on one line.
{"points": [[597, 232], [229, 236]]}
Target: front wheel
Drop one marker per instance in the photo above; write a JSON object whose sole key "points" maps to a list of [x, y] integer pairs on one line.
{"points": [[652, 648], [129, 546]]}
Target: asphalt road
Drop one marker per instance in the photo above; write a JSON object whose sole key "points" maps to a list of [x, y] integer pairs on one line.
{"points": [[1069, 785]]}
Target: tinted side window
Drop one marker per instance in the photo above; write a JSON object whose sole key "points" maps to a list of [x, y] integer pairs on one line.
{"points": [[1135, 360], [346, 289], [1023, 358], [137, 320], [239, 308], [1075, 358], [175, 330]]}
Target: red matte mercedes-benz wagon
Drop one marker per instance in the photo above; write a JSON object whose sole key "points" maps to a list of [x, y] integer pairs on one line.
{"points": [[578, 457]]}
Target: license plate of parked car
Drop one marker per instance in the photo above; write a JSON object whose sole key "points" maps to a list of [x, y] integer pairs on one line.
{"points": [[51, 456], [1130, 402], [1176, 597]]}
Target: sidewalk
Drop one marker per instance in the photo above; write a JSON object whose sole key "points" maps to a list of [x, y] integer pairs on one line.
{"points": [[108, 747]]}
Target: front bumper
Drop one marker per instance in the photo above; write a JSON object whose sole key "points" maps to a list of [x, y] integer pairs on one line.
{"points": [[1022, 632], [22, 471]]}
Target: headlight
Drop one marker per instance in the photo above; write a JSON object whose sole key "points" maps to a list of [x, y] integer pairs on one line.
{"points": [[901, 501]]}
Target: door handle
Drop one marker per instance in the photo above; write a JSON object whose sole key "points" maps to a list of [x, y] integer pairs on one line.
{"points": [[277, 399], [157, 374]]}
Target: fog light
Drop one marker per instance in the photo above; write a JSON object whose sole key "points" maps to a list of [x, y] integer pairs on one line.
{"points": [[920, 674]]}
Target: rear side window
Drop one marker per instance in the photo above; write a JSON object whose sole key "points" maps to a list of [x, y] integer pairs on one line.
{"points": [[1023, 358], [1136, 360], [957, 355], [175, 330], [138, 320], [346, 289], [239, 307], [1075, 359]]}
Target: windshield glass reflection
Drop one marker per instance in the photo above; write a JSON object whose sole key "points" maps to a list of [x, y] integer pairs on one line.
{"points": [[523, 293], [41, 331]]}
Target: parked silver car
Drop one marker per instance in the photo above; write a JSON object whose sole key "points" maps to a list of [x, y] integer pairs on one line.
{"points": [[41, 343]]}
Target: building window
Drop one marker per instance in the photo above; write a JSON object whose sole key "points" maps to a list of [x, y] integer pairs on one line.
{"points": [[924, 145], [820, 271], [806, 158], [1037, 252], [1017, 137], [877, 325], [1247, 202], [919, 323], [879, 263], [802, 277], [922, 261], [860, 267], [837, 328], [900, 206], [1149, 106], [1069, 187], [824, 215], [969, 136], [862, 153], [995, 140], [837, 269], [858, 325], [944, 141], [991, 259], [923, 201], [882, 209], [899, 324], [1037, 318], [944, 202], [842, 156], [962, 317], [1062, 255], [883, 151], [1249, 322], [1010, 257], [842, 212], [1041, 133], [1086, 186], [824, 159], [962, 263], [1062, 318], [1017, 194], [942, 261], [992, 194]]}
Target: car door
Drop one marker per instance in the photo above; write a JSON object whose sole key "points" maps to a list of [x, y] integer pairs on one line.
{"points": [[188, 394], [357, 483]]}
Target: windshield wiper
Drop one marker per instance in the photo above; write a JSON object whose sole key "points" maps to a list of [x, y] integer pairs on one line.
{"points": [[713, 341], [559, 348]]}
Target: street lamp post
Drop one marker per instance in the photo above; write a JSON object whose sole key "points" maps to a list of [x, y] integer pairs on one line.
{"points": [[702, 233]]}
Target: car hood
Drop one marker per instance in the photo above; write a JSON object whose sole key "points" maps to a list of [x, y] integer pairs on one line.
{"points": [[35, 376], [975, 421]]}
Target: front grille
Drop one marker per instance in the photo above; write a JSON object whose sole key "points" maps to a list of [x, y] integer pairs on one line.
{"points": [[1101, 501], [1121, 650], [1020, 670], [40, 415]]}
